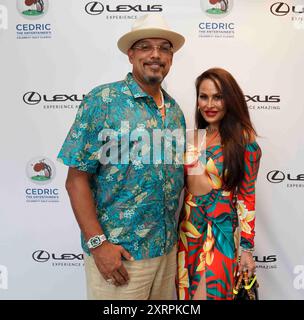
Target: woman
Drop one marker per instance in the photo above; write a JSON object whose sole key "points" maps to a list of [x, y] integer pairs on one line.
{"points": [[216, 203]]}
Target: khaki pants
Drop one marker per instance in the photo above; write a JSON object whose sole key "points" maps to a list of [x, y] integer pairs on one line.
{"points": [[150, 279]]}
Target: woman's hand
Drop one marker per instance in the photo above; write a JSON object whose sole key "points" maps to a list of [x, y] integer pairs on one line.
{"points": [[247, 263]]}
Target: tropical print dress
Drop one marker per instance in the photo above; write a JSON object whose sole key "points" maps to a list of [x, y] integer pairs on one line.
{"points": [[208, 240]]}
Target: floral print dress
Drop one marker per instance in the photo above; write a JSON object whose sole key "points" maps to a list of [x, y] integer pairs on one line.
{"points": [[208, 240]]}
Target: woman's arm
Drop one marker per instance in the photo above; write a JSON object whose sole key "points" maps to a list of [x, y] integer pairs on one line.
{"points": [[246, 206]]}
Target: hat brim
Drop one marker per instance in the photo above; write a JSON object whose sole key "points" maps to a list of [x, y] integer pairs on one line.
{"points": [[127, 40]]}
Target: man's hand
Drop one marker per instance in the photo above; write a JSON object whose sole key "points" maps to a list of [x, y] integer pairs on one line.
{"points": [[109, 262]]}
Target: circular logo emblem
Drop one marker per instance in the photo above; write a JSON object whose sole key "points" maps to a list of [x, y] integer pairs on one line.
{"points": [[280, 9], [94, 8], [32, 9], [216, 8], [41, 256], [275, 176], [40, 170], [32, 98]]}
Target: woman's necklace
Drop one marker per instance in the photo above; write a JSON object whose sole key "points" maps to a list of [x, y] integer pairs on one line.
{"points": [[213, 134], [211, 130]]}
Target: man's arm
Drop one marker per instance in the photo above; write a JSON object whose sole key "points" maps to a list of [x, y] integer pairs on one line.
{"points": [[107, 256]]}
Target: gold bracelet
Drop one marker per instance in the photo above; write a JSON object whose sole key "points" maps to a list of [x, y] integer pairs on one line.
{"points": [[251, 250]]}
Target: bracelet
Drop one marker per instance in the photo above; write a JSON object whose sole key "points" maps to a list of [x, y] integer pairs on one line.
{"points": [[251, 250]]}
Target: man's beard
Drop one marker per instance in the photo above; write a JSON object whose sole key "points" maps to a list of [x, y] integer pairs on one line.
{"points": [[153, 80]]}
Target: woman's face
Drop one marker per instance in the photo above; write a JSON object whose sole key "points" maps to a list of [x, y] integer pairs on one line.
{"points": [[211, 103]]}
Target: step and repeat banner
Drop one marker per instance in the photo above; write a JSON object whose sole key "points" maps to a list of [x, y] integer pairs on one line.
{"points": [[53, 52]]}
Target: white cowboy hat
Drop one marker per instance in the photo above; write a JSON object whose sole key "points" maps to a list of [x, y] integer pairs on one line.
{"points": [[150, 25]]}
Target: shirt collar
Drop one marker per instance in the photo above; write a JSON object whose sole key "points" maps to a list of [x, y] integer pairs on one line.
{"points": [[133, 86], [137, 91]]}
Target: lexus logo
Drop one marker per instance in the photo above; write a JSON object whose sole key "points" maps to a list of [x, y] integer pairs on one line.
{"points": [[44, 256], [32, 98], [275, 176], [263, 98], [41, 256], [94, 8], [280, 9]]}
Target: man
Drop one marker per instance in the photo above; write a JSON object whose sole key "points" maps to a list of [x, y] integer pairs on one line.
{"points": [[125, 206]]}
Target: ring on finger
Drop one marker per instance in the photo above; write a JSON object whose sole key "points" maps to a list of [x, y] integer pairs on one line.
{"points": [[110, 281]]}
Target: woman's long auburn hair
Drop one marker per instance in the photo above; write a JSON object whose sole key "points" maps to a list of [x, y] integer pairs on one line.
{"points": [[235, 128]]}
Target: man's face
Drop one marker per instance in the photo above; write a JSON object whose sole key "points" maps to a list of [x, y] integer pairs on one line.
{"points": [[151, 59]]}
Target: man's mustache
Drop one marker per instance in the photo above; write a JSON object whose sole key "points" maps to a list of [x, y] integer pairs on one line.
{"points": [[155, 62]]}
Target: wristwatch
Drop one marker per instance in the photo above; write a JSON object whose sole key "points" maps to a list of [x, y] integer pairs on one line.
{"points": [[96, 241]]}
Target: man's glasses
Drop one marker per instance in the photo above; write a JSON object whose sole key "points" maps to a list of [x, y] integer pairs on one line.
{"points": [[165, 48]]}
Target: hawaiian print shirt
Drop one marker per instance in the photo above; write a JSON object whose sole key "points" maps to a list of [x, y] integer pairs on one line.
{"points": [[136, 200]]}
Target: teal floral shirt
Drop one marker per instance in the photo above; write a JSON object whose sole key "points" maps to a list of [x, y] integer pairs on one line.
{"points": [[137, 192]]}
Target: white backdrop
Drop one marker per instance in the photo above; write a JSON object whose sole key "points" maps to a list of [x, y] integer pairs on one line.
{"points": [[49, 61]]}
